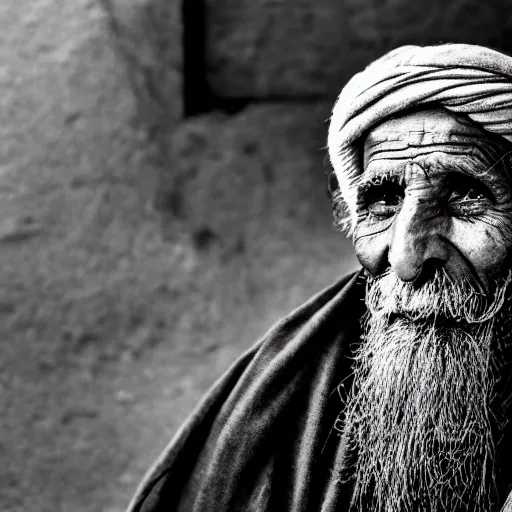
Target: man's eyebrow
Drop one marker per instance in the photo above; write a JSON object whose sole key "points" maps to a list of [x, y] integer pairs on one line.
{"points": [[474, 168], [477, 170], [379, 178]]}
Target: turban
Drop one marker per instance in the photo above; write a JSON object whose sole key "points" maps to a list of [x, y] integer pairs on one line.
{"points": [[465, 79]]}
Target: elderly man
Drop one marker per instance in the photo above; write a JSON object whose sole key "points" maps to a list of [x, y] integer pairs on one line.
{"points": [[390, 390]]}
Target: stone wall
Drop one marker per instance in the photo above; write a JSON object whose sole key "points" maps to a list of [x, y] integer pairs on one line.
{"points": [[290, 49], [191, 58]]}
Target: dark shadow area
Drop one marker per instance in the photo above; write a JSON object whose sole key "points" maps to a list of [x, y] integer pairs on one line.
{"points": [[197, 97]]}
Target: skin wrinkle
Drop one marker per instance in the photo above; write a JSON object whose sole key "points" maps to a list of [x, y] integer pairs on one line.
{"points": [[497, 219], [489, 144], [434, 162], [425, 175], [387, 151]]}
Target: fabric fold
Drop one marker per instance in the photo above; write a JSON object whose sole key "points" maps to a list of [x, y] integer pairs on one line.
{"points": [[255, 442]]}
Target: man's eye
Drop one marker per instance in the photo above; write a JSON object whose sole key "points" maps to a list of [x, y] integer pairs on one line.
{"points": [[383, 208], [469, 202], [385, 202]]}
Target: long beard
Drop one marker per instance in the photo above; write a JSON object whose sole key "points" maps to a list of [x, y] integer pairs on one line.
{"points": [[425, 410]]}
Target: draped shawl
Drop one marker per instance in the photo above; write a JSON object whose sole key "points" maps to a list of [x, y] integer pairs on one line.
{"points": [[267, 436], [263, 438]]}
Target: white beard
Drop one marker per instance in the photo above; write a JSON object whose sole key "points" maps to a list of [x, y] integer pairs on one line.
{"points": [[419, 415]]}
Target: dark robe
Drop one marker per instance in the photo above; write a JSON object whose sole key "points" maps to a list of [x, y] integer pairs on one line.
{"points": [[263, 438], [266, 437]]}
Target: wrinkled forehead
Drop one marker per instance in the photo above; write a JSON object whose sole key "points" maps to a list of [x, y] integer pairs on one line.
{"points": [[427, 131]]}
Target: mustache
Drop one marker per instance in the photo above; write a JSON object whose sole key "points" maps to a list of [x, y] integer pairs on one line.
{"points": [[442, 297]]}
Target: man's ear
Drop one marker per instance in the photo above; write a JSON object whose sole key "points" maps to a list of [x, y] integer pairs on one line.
{"points": [[340, 210], [332, 180]]}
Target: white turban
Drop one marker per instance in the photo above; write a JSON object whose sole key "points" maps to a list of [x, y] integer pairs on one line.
{"points": [[462, 78]]}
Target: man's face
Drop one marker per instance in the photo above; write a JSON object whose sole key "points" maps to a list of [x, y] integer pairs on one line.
{"points": [[434, 195], [428, 401]]}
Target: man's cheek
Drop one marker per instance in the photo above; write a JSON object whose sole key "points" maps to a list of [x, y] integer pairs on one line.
{"points": [[484, 244]]}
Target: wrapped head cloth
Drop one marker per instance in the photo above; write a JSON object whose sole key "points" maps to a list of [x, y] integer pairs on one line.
{"points": [[465, 79]]}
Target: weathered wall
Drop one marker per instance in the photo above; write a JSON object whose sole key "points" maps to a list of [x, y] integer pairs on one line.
{"points": [[114, 317], [309, 48], [224, 55]]}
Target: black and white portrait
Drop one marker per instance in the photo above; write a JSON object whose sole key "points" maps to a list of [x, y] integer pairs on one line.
{"points": [[256, 256]]}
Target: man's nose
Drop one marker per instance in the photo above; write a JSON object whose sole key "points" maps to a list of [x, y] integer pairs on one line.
{"points": [[417, 239]]}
